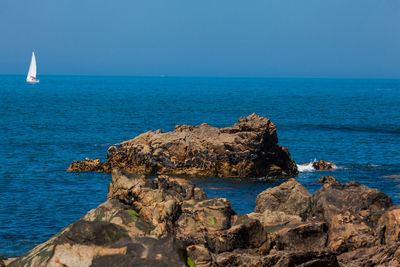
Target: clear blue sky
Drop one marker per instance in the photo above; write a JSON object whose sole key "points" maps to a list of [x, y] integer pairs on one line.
{"points": [[267, 38]]}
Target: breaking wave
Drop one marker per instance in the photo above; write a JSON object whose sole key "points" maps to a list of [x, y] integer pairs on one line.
{"points": [[305, 167], [308, 167]]}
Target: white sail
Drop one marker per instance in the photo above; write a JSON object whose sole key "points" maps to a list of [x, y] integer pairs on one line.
{"points": [[32, 70]]}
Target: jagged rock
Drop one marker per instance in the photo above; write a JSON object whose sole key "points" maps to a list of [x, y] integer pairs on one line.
{"points": [[168, 221], [358, 199], [327, 180], [348, 232], [159, 201], [89, 165], [382, 255], [200, 220], [352, 211], [323, 165], [290, 197], [247, 149], [390, 224]]}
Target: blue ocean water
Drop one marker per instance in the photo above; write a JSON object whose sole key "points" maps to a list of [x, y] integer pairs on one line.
{"points": [[44, 127]]}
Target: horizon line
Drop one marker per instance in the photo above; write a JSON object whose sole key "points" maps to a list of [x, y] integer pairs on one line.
{"points": [[209, 76]]}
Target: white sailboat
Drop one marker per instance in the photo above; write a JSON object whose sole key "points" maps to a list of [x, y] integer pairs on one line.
{"points": [[31, 78]]}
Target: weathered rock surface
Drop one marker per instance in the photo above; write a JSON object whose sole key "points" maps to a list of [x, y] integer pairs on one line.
{"points": [[352, 211], [324, 165], [353, 197], [247, 149], [382, 255], [290, 198], [171, 222], [303, 237], [390, 225]]}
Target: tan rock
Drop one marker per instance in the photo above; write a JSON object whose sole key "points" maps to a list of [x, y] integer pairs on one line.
{"points": [[249, 148], [390, 221], [290, 198], [382, 255], [324, 165]]}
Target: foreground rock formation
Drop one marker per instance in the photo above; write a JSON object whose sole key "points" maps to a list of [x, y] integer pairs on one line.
{"points": [[247, 149], [171, 222]]}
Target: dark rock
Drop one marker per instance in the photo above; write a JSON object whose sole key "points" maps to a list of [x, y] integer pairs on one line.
{"points": [[243, 236], [323, 165], [290, 197], [97, 233], [146, 251], [304, 237], [327, 180], [247, 149]]}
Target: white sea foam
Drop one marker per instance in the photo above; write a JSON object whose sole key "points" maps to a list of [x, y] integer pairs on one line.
{"points": [[306, 167]]}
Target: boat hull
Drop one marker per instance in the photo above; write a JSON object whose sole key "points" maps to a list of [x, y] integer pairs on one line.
{"points": [[33, 81]]}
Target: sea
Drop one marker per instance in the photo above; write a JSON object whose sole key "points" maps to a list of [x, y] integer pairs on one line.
{"points": [[44, 127]]}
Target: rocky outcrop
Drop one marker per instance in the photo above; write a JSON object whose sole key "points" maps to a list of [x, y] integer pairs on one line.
{"points": [[280, 207], [350, 220], [247, 149], [352, 211], [323, 165], [353, 198], [169, 221]]}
